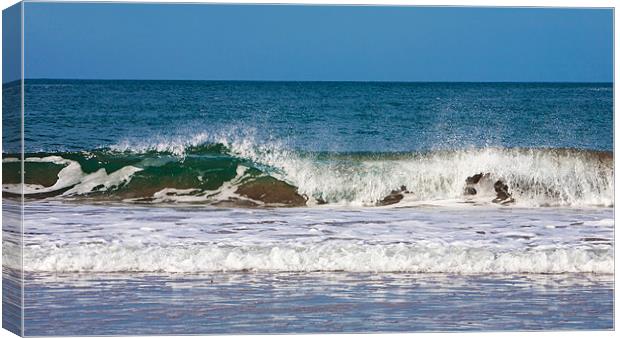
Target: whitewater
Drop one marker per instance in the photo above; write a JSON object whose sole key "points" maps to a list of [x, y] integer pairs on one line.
{"points": [[428, 239]]}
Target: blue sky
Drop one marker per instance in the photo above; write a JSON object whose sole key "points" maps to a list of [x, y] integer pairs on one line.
{"points": [[11, 43], [252, 42]]}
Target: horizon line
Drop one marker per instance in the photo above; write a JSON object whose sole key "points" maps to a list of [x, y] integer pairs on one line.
{"points": [[326, 81]]}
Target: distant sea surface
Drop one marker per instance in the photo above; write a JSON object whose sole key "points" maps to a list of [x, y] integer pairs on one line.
{"points": [[64, 115], [282, 207]]}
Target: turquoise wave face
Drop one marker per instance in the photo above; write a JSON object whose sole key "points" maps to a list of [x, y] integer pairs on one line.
{"points": [[242, 173], [106, 174]]}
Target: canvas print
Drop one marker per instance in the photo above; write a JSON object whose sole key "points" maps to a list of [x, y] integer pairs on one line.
{"points": [[241, 169]]}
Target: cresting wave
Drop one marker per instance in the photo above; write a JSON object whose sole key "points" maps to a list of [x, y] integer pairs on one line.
{"points": [[331, 256], [242, 173]]}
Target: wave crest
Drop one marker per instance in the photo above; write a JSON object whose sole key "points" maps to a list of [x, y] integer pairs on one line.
{"points": [[246, 173]]}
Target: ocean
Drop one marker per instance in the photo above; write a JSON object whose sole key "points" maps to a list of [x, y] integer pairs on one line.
{"points": [[204, 207]]}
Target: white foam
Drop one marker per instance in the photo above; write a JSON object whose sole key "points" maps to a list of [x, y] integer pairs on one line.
{"points": [[201, 239], [68, 176], [338, 256], [102, 179], [71, 175]]}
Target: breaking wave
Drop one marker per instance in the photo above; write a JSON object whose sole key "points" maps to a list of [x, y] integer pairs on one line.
{"points": [[245, 173]]}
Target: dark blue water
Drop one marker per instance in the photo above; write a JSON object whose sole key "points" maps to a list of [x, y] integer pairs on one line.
{"points": [[328, 116]]}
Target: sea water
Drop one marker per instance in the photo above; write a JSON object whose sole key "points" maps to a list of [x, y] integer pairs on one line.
{"points": [[229, 207]]}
